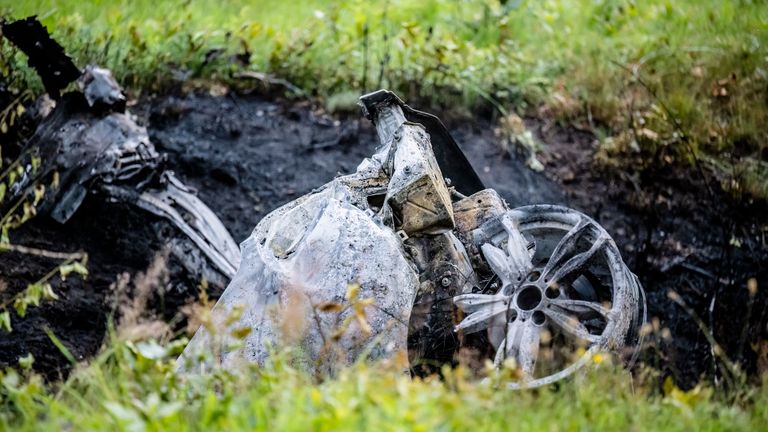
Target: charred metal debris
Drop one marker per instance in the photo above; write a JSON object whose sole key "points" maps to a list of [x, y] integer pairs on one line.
{"points": [[448, 266], [92, 145]]}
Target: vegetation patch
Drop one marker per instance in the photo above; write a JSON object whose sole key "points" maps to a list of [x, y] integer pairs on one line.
{"points": [[658, 82], [132, 385]]}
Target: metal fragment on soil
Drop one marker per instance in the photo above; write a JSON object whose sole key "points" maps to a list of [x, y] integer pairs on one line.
{"points": [[95, 150]]}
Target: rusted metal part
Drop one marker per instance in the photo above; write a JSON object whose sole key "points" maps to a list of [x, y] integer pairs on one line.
{"points": [[445, 271], [448, 154], [474, 210], [533, 285], [416, 192]]}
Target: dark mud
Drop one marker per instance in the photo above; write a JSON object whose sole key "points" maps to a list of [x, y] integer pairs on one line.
{"points": [[247, 156]]}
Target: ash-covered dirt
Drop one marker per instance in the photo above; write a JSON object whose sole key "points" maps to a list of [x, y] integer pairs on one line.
{"points": [[246, 156]]}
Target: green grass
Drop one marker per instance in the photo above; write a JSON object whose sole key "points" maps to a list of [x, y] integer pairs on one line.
{"points": [[658, 81], [638, 74], [132, 386]]}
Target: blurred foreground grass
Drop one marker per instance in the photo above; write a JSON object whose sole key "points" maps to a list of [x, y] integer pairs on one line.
{"points": [[132, 386], [657, 81]]}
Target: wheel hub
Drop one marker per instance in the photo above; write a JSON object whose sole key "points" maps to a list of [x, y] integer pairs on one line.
{"points": [[574, 288]]}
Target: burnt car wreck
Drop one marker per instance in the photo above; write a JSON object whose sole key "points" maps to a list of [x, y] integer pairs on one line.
{"points": [[442, 263], [410, 253]]}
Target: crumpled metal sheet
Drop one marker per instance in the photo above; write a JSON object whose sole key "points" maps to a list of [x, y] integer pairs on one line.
{"points": [[299, 260], [187, 212], [305, 254]]}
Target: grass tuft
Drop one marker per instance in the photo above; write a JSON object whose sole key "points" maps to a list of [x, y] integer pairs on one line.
{"points": [[133, 386]]}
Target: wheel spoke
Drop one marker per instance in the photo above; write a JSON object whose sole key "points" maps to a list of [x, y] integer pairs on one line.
{"points": [[483, 315], [581, 306], [564, 275], [569, 270], [566, 260], [571, 325], [471, 303], [517, 248], [499, 263], [522, 344]]}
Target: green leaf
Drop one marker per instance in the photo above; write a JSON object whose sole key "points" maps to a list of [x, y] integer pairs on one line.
{"points": [[39, 193], [11, 380], [65, 270], [5, 321], [26, 361], [20, 306], [57, 342], [75, 267], [48, 293], [80, 269], [29, 211], [29, 297], [34, 293], [4, 234]]}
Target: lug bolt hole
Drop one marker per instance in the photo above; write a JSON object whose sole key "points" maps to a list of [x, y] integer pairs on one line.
{"points": [[538, 317], [511, 315], [534, 276], [552, 292]]}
